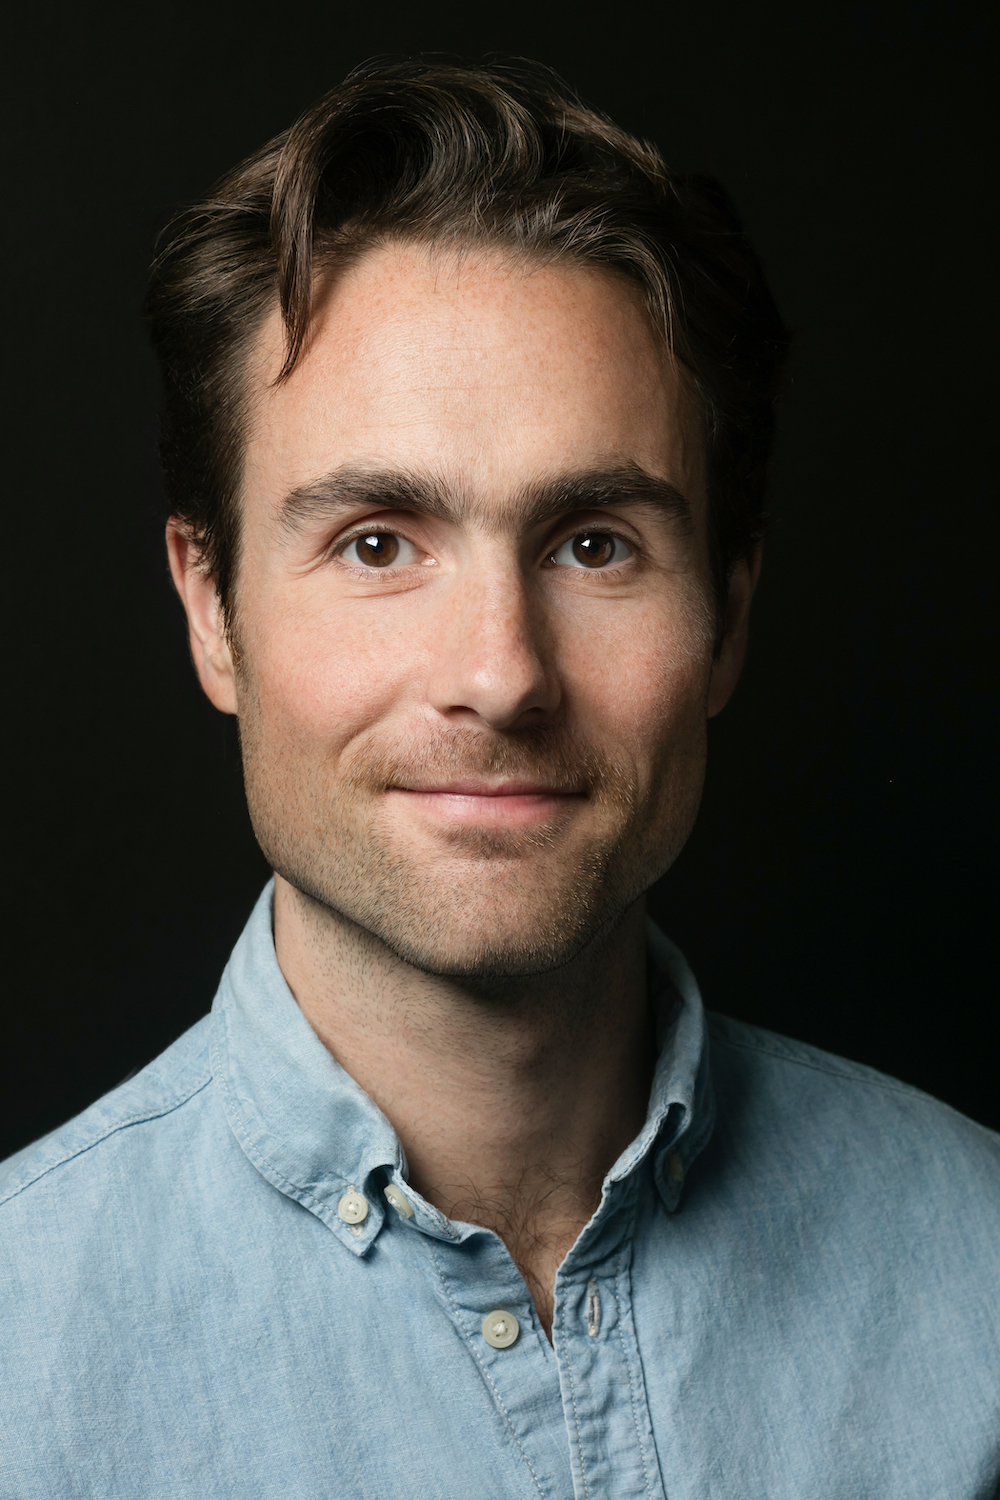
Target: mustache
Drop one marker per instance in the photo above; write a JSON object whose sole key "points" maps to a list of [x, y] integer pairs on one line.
{"points": [[543, 753]]}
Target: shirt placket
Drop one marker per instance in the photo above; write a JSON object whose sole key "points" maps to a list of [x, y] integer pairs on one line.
{"points": [[576, 1411], [603, 1387], [488, 1302]]}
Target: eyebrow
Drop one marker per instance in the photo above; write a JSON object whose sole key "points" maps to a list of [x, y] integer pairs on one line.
{"points": [[330, 497]]}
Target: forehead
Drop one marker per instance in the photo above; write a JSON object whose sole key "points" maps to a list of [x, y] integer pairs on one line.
{"points": [[483, 372]]}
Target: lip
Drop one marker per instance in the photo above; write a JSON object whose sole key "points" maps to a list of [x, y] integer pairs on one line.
{"points": [[476, 788], [484, 804]]}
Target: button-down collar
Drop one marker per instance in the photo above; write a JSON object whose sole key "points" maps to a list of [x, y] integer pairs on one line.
{"points": [[315, 1134]]}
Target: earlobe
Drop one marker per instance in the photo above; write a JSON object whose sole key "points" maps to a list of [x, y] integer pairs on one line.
{"points": [[210, 649], [729, 662]]}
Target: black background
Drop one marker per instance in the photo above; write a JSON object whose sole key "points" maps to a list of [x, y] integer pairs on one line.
{"points": [[839, 885]]}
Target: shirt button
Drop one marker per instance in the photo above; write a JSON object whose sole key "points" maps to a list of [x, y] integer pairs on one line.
{"points": [[675, 1167], [500, 1329], [399, 1201], [352, 1208]]}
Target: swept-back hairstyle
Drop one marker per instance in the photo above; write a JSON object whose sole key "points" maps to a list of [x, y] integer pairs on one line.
{"points": [[425, 152]]}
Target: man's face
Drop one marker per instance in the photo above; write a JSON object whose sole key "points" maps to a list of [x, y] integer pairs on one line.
{"points": [[474, 614]]}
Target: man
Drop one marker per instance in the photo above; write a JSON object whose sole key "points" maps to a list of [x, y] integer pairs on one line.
{"points": [[454, 1194]]}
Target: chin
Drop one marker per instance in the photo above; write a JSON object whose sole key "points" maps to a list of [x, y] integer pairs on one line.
{"points": [[490, 925], [490, 905], [473, 955]]}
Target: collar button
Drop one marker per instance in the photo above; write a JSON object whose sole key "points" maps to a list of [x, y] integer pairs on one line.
{"points": [[399, 1201], [352, 1208]]}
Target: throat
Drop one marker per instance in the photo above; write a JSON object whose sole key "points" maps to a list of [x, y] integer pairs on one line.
{"points": [[510, 1107], [539, 1219]]}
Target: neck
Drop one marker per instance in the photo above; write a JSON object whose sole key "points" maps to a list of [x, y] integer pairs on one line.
{"points": [[511, 1104]]}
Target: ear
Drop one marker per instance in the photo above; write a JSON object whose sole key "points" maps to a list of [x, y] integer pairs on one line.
{"points": [[210, 650], [729, 661]]}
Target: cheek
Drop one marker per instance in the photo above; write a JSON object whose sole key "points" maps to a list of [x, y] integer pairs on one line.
{"points": [[321, 674], [644, 676]]}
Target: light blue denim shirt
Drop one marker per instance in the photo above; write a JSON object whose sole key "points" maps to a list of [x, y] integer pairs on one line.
{"points": [[789, 1290]]}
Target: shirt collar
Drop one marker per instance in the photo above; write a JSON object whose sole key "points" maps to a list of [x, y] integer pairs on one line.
{"points": [[315, 1134], [681, 1113]]}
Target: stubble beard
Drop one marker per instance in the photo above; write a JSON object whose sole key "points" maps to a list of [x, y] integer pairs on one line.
{"points": [[470, 903]]}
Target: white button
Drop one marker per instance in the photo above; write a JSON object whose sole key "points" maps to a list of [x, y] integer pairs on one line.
{"points": [[500, 1329], [675, 1167], [352, 1208], [399, 1201]]}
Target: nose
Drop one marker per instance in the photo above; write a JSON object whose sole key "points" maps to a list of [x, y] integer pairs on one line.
{"points": [[493, 660]]}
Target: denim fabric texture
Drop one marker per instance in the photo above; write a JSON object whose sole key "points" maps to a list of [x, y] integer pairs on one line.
{"points": [[790, 1290]]}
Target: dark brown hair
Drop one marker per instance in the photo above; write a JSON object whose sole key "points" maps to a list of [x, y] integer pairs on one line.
{"points": [[434, 153]]}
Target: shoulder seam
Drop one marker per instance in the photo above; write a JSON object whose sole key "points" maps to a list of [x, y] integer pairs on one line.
{"points": [[848, 1075], [113, 1129], [850, 1072]]}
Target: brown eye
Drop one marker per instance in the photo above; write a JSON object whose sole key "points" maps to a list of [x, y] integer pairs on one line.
{"points": [[379, 549], [593, 549]]}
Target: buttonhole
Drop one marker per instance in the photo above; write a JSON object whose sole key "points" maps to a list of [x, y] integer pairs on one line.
{"points": [[593, 1309]]}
